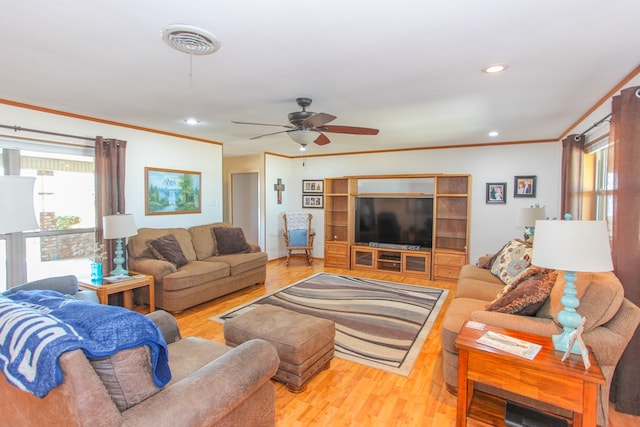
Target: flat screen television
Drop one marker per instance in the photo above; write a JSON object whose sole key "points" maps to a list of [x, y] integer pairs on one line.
{"points": [[395, 220]]}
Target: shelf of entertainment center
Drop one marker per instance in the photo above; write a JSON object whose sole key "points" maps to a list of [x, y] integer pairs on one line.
{"points": [[412, 262]]}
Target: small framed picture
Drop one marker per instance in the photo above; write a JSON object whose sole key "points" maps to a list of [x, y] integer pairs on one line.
{"points": [[497, 193], [312, 186], [309, 201], [524, 186]]}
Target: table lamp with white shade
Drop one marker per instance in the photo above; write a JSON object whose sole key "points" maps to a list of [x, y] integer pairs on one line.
{"points": [[527, 218], [571, 246], [119, 227]]}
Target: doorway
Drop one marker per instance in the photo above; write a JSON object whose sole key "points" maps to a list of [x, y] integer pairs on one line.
{"points": [[245, 204]]}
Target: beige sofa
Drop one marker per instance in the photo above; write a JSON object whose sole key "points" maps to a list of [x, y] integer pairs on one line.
{"points": [[611, 322], [207, 274], [211, 385]]}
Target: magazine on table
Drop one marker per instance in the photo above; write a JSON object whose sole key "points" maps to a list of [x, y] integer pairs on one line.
{"points": [[121, 278], [510, 345]]}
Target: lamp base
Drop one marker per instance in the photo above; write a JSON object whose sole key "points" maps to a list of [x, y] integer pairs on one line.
{"points": [[569, 318], [561, 342], [119, 260]]}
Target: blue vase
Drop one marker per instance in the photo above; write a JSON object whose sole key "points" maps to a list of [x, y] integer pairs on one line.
{"points": [[96, 273]]}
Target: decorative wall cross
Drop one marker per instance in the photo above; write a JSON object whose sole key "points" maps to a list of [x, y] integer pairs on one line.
{"points": [[279, 187]]}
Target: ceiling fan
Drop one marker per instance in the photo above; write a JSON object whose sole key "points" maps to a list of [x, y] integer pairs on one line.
{"points": [[306, 127]]}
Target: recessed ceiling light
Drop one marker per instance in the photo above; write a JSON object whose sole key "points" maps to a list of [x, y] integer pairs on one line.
{"points": [[191, 121], [495, 68], [493, 133]]}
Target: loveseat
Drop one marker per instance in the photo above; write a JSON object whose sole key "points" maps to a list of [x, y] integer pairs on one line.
{"points": [[211, 385], [611, 320], [210, 261]]}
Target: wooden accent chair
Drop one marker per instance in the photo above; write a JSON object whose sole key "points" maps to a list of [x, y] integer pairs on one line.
{"points": [[298, 235]]}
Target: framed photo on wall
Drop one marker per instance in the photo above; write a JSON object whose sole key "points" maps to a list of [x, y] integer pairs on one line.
{"points": [[312, 201], [171, 191], [312, 186], [524, 186], [497, 193]]}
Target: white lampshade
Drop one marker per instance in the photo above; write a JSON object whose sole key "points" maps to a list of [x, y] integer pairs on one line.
{"points": [[118, 226], [304, 136], [16, 204], [528, 216], [572, 246]]}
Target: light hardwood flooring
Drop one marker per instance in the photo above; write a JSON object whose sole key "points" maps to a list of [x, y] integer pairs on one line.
{"points": [[349, 394]]}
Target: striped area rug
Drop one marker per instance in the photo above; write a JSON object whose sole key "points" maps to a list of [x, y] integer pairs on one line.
{"points": [[379, 324]]}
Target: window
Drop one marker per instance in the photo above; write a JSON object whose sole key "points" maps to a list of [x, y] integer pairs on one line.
{"points": [[64, 199]]}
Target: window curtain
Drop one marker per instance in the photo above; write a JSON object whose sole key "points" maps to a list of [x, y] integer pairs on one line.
{"points": [[110, 157], [625, 247], [572, 158]]}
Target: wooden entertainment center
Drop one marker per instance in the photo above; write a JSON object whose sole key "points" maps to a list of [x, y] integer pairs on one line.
{"points": [[449, 234]]}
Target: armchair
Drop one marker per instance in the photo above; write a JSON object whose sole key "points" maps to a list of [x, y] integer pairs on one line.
{"points": [[211, 385], [298, 235]]}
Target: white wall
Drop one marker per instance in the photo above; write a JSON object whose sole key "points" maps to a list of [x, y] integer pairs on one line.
{"points": [[280, 167], [491, 225], [143, 149]]}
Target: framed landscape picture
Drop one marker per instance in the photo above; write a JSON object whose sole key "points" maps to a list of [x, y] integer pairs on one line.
{"points": [[497, 193], [524, 186], [309, 201], [312, 186], [170, 191]]}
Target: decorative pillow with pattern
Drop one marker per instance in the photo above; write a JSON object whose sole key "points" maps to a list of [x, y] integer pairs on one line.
{"points": [[526, 294], [230, 240], [512, 261], [167, 248]]}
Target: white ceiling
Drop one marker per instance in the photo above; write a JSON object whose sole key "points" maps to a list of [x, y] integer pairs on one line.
{"points": [[409, 68]]}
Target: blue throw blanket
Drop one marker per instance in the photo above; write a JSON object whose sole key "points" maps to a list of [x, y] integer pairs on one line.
{"points": [[36, 327]]}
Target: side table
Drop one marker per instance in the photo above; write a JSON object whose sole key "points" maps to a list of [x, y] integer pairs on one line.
{"points": [[126, 286], [546, 378]]}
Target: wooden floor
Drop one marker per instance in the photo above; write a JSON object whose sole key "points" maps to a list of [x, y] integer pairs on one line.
{"points": [[349, 394]]}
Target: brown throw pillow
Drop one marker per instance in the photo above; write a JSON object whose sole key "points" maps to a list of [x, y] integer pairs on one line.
{"points": [[527, 295], [167, 248], [230, 240]]}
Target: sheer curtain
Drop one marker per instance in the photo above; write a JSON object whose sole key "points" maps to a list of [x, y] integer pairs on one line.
{"points": [[625, 136], [572, 159], [110, 180]]}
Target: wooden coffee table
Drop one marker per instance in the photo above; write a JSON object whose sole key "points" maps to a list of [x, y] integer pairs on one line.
{"points": [[127, 286], [545, 378]]}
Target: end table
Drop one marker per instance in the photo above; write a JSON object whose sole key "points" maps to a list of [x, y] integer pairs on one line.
{"points": [[126, 286]]}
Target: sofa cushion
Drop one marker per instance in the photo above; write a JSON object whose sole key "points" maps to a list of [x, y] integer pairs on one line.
{"points": [[526, 294], [189, 354], [195, 273], [167, 248], [127, 376], [600, 296], [230, 240], [457, 314], [240, 263], [204, 242], [512, 260]]}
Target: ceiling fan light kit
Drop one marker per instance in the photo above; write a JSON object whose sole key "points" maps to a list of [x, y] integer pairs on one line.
{"points": [[306, 127]]}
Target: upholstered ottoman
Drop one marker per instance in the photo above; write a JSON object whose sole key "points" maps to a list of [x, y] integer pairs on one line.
{"points": [[304, 343]]}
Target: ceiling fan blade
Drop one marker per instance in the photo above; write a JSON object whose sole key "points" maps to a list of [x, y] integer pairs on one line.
{"points": [[350, 129], [269, 134], [261, 124], [318, 120], [322, 140]]}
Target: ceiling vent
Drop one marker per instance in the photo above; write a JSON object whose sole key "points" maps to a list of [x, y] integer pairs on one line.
{"points": [[190, 39]]}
